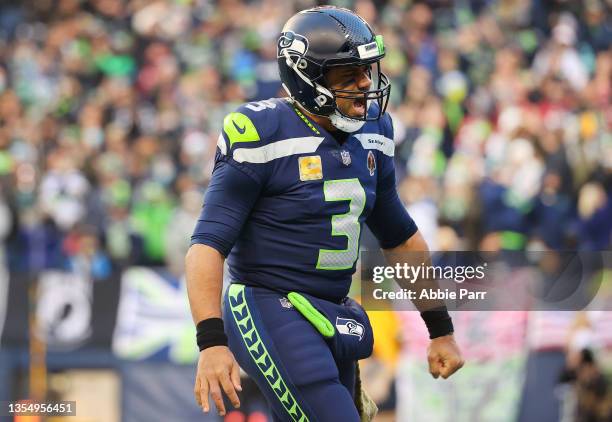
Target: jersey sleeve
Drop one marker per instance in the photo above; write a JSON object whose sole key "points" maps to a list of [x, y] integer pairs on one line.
{"points": [[244, 138], [389, 220], [229, 199], [238, 180]]}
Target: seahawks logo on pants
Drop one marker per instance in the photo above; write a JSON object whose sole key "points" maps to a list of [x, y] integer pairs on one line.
{"points": [[349, 327]]}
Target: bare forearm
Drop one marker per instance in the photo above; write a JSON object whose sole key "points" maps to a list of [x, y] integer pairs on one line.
{"points": [[204, 274], [414, 252]]}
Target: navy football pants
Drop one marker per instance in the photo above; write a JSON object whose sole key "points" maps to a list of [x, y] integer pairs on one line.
{"points": [[288, 358]]}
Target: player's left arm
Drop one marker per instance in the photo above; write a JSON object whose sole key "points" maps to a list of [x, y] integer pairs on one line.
{"points": [[401, 242], [443, 354]]}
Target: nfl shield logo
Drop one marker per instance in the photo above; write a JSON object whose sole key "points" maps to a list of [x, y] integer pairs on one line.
{"points": [[371, 163], [346, 158], [285, 303]]}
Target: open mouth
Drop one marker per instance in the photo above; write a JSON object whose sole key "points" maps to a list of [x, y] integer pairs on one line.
{"points": [[359, 107]]}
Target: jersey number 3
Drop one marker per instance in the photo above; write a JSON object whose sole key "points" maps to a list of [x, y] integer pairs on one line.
{"points": [[346, 224]]}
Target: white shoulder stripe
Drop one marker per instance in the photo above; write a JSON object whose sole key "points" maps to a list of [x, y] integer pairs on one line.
{"points": [[377, 141], [278, 149], [222, 145]]}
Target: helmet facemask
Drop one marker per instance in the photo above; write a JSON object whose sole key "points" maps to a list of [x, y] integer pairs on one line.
{"points": [[379, 92]]}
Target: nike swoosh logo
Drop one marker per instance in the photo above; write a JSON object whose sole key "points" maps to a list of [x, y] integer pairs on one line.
{"points": [[240, 130]]}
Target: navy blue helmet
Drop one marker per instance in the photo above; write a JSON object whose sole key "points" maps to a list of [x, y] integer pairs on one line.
{"points": [[315, 40]]}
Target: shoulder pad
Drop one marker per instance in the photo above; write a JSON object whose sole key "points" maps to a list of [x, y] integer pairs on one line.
{"points": [[385, 124], [373, 109], [252, 125], [378, 135]]}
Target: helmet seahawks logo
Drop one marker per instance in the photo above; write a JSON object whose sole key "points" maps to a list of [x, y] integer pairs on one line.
{"points": [[350, 327], [286, 39], [294, 43]]}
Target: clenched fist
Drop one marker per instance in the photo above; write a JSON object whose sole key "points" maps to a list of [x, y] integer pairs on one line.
{"points": [[444, 357]]}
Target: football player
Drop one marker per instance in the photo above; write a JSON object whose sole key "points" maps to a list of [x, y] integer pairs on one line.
{"points": [[295, 179]]}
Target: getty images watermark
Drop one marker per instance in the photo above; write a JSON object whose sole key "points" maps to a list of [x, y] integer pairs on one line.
{"points": [[406, 273], [504, 280]]}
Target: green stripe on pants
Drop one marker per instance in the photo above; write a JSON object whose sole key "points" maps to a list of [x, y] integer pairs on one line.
{"points": [[259, 352]]}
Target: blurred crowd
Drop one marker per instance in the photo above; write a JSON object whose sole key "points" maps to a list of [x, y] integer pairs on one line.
{"points": [[110, 111], [504, 123]]}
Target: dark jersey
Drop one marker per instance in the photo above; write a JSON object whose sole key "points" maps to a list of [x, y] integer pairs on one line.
{"points": [[287, 201]]}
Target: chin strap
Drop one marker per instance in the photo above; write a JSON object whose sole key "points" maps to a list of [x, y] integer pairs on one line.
{"points": [[345, 124], [340, 122]]}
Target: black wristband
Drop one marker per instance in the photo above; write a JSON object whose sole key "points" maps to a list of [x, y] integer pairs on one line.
{"points": [[438, 322], [210, 333]]}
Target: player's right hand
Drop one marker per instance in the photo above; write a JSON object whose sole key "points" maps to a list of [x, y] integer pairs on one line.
{"points": [[217, 371]]}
